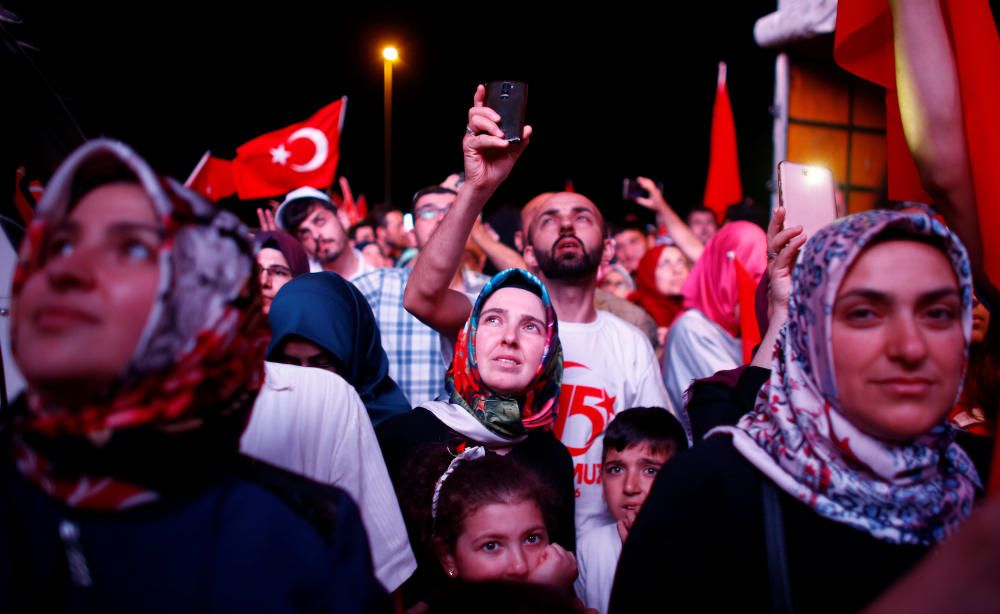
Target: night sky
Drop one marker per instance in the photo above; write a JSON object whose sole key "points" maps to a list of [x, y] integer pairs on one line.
{"points": [[612, 94]]}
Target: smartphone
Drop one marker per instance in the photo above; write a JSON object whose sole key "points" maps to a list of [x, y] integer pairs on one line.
{"points": [[407, 222], [631, 189], [509, 99], [808, 195]]}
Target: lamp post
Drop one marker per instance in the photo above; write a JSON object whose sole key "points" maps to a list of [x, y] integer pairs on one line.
{"points": [[389, 55]]}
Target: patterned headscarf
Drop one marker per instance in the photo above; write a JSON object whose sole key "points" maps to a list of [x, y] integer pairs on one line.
{"points": [[535, 408], [913, 493], [712, 287], [176, 413]]}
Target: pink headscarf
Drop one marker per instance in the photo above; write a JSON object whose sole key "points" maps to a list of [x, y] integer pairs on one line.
{"points": [[712, 286]]}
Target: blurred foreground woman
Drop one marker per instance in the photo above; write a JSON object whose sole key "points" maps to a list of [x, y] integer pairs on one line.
{"points": [[844, 473], [137, 325]]}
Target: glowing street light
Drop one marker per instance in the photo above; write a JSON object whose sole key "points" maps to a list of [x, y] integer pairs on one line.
{"points": [[390, 55]]}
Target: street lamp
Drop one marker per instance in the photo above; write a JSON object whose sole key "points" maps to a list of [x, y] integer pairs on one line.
{"points": [[389, 55]]}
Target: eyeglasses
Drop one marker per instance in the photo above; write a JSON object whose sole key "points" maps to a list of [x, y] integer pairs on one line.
{"points": [[429, 212], [275, 270]]}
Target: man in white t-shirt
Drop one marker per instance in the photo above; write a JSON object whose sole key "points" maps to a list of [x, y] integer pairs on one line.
{"points": [[609, 366]]}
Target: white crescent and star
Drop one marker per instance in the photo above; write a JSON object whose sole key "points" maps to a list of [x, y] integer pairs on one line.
{"points": [[280, 155]]}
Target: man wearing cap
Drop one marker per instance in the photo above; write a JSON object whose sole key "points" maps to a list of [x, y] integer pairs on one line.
{"points": [[413, 348], [309, 215]]}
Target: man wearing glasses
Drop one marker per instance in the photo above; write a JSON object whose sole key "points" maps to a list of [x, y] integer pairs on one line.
{"points": [[429, 207]]}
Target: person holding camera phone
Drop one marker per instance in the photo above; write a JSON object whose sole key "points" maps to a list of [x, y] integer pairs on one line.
{"points": [[610, 364]]}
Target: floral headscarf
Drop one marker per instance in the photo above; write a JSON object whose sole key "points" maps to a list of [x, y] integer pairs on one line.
{"points": [[912, 493], [177, 411], [508, 416]]}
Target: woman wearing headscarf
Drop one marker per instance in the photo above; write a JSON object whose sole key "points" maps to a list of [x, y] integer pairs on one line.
{"points": [[322, 320], [844, 472], [707, 337], [280, 258], [659, 279], [137, 326], [503, 386]]}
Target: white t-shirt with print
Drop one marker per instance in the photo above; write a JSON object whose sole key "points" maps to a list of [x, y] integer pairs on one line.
{"points": [[597, 553], [608, 366]]}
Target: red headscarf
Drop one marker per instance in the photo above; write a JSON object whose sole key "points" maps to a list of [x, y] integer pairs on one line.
{"points": [[664, 308]]}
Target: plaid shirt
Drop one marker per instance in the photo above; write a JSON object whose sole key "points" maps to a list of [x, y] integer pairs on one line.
{"points": [[413, 348]]}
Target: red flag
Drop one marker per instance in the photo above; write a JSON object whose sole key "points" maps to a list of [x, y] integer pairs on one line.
{"points": [[303, 154], [26, 194], [723, 187], [746, 288], [864, 46], [212, 178]]}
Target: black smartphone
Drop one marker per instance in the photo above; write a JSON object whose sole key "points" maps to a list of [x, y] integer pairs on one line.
{"points": [[631, 189], [509, 99]]}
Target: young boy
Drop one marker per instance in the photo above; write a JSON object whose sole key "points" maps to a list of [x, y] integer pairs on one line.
{"points": [[636, 444]]}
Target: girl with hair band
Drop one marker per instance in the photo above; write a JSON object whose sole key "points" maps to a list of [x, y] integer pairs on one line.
{"points": [[844, 472], [503, 384], [486, 517], [138, 328]]}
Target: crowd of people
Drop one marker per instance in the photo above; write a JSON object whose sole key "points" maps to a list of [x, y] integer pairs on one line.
{"points": [[694, 413]]}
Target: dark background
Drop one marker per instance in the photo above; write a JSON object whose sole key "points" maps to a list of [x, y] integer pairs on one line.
{"points": [[613, 93]]}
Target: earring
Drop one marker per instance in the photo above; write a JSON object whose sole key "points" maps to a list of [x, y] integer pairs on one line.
{"points": [[452, 572]]}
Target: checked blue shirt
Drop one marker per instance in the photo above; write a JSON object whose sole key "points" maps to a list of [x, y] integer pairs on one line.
{"points": [[413, 348]]}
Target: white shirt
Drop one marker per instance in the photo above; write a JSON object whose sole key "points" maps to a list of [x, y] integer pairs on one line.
{"points": [[608, 366], [597, 553], [696, 347], [363, 266], [313, 423]]}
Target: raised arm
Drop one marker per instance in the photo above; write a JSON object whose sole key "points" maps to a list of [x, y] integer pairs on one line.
{"points": [[686, 240], [783, 245], [501, 256], [931, 110], [488, 160]]}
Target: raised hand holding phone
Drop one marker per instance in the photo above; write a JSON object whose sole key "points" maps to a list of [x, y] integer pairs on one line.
{"points": [[489, 156], [807, 194]]}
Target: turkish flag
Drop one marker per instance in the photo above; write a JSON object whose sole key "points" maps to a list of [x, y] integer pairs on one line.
{"points": [[212, 178], [723, 187], [303, 154]]}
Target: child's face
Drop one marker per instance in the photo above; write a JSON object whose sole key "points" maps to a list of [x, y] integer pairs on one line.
{"points": [[627, 477], [500, 541]]}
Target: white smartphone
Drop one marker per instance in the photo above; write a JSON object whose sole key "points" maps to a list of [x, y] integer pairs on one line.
{"points": [[808, 195]]}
